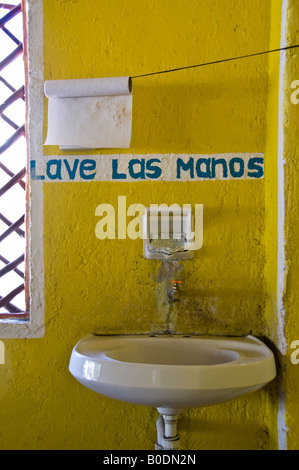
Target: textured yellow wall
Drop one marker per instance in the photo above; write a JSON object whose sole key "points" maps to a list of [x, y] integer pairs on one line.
{"points": [[215, 109], [107, 286]]}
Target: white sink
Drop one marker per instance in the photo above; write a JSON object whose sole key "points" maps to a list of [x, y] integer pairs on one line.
{"points": [[172, 372]]}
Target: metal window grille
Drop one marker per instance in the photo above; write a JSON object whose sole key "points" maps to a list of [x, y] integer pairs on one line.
{"points": [[14, 292]]}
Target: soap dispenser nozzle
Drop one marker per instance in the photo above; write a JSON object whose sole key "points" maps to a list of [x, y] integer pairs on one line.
{"points": [[175, 289]]}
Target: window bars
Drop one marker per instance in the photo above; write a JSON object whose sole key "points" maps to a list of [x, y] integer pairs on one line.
{"points": [[14, 297]]}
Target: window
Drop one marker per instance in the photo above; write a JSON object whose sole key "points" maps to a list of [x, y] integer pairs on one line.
{"points": [[14, 214]]}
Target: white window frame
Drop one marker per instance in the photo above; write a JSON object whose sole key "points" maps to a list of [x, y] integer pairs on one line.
{"points": [[34, 328]]}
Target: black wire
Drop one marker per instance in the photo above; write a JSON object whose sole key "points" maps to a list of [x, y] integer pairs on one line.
{"points": [[217, 61]]}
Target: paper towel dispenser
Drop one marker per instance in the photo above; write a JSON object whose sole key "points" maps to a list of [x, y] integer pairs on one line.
{"points": [[89, 113]]}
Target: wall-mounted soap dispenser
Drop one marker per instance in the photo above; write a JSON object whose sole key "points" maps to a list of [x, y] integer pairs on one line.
{"points": [[167, 233]]}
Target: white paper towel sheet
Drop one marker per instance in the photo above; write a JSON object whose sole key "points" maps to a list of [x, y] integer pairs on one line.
{"points": [[89, 113]]}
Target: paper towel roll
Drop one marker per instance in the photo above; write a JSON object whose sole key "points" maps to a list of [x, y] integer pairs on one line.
{"points": [[89, 113]]}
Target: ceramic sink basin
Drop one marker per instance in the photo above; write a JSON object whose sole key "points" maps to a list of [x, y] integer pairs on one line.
{"points": [[172, 371]]}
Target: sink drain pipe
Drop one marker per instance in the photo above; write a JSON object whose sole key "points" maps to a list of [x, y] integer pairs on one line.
{"points": [[167, 436]]}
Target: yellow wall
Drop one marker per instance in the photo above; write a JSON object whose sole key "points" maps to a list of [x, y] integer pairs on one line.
{"points": [[107, 286], [216, 109]]}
